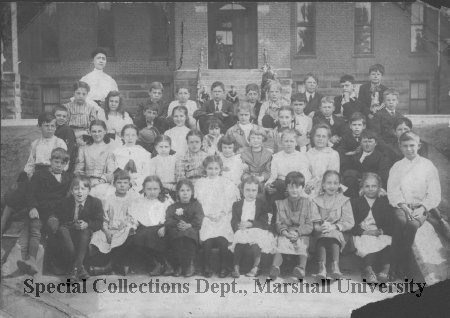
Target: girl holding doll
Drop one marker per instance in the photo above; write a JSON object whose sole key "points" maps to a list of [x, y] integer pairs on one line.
{"points": [[216, 194], [373, 227], [149, 213], [183, 222], [336, 217]]}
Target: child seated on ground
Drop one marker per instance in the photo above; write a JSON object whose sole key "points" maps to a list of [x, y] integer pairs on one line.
{"points": [[216, 194], [148, 134], [350, 142], [183, 222], [241, 131], [183, 100], [212, 138], [48, 187], [252, 93], [383, 121], [116, 117], [178, 133], [256, 156], [233, 167], [79, 216], [294, 225], [302, 123], [81, 113], [367, 159], [115, 237], [250, 227], [370, 94], [373, 227], [321, 158], [337, 124], [163, 165], [413, 190], [64, 132], [149, 212], [283, 162], [132, 158], [268, 114], [346, 104], [190, 165], [39, 159], [336, 217]]}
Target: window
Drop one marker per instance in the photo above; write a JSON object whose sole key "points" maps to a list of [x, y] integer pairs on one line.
{"points": [[105, 27], [417, 22], [305, 28], [49, 33], [363, 28], [50, 97], [159, 29], [418, 97]]}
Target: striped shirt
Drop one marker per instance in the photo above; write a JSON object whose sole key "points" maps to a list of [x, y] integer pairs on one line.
{"points": [[80, 116]]}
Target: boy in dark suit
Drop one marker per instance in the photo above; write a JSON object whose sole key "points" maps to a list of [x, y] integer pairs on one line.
{"points": [[368, 159], [217, 107], [48, 187], [346, 104], [370, 95], [64, 132], [313, 98], [350, 142], [325, 115], [79, 216], [383, 121], [160, 122]]}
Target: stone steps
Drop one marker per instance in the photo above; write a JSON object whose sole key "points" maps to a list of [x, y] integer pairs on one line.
{"points": [[238, 78]]}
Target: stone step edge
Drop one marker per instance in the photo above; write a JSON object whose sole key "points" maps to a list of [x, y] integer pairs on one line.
{"points": [[42, 300]]}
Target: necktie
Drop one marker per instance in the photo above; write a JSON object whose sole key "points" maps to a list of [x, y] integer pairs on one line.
{"points": [[217, 106], [77, 213], [308, 98]]}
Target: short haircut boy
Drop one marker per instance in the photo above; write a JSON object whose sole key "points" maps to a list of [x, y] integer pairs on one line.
{"points": [[407, 136], [295, 178], [214, 123], [391, 91], [244, 107], [327, 100], [210, 159], [252, 87], [311, 75], [273, 84], [60, 154], [227, 140], [60, 108], [347, 78], [81, 84], [288, 131], [403, 120], [120, 174], [83, 180], [218, 84], [298, 97], [356, 117], [156, 85], [258, 131], [369, 134], [376, 68], [45, 117]]}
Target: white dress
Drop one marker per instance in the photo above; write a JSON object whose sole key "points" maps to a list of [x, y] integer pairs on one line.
{"points": [[233, 168], [178, 137], [114, 124], [164, 168], [216, 197], [117, 220], [368, 244], [141, 158], [149, 212], [321, 161]]}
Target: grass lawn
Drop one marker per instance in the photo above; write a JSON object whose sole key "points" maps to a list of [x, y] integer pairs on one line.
{"points": [[438, 136]]}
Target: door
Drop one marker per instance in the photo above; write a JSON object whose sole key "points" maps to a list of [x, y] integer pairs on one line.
{"points": [[232, 35]]}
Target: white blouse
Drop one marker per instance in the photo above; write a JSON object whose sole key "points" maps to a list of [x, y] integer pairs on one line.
{"points": [[100, 84], [178, 137], [149, 212], [116, 122], [248, 210]]}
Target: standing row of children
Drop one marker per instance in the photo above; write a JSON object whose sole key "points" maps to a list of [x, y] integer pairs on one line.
{"points": [[292, 159]]}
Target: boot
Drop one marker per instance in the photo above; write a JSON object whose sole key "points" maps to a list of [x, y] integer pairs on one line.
{"points": [[168, 269], [253, 272], [235, 273], [223, 273], [190, 271], [298, 272], [157, 270], [335, 271], [322, 271], [82, 274], [369, 275], [177, 272]]}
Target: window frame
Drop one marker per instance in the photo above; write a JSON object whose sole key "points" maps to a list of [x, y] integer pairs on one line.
{"points": [[296, 24], [424, 18], [426, 99], [46, 86], [163, 56], [111, 50], [43, 25], [355, 25]]}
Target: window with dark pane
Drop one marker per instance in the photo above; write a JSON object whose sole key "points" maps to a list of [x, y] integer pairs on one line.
{"points": [[305, 28], [50, 97], [363, 28], [49, 33], [417, 28], [418, 97], [105, 27], [159, 29]]}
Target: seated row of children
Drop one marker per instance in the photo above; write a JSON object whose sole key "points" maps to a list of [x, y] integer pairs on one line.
{"points": [[216, 194]]}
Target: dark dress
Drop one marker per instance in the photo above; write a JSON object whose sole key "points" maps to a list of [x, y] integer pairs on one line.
{"points": [[192, 214]]}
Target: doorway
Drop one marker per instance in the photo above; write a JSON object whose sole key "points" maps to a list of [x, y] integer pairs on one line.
{"points": [[232, 35]]}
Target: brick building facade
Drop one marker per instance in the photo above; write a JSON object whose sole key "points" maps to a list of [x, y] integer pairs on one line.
{"points": [[165, 42]]}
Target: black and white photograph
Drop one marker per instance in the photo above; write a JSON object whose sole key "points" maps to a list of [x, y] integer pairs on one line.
{"points": [[227, 159]]}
